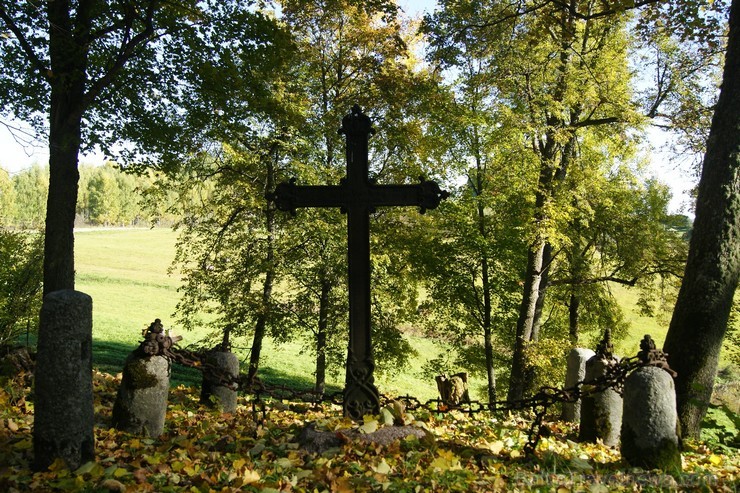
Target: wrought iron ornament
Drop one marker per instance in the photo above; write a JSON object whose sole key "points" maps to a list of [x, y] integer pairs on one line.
{"points": [[156, 341], [358, 196], [650, 355]]}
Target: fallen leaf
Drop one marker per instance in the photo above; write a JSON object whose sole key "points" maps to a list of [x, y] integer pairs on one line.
{"points": [[496, 447], [113, 485], [387, 417], [250, 476], [284, 462], [715, 459], [382, 467], [85, 468], [370, 426]]}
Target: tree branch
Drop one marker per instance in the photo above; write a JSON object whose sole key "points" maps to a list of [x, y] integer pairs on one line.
{"points": [[594, 121], [41, 68], [594, 280], [126, 52], [604, 13]]}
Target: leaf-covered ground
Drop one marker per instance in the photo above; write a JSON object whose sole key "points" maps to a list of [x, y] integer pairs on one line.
{"points": [[204, 451]]}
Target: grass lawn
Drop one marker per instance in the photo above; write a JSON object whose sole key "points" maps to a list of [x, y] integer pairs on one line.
{"points": [[126, 273]]}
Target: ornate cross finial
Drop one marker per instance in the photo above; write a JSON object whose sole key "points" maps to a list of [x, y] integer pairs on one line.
{"points": [[605, 348], [356, 123], [650, 355]]}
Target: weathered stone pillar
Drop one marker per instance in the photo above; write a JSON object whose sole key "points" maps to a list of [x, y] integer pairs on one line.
{"points": [[453, 390], [214, 392], [575, 373], [63, 415], [141, 403], [601, 413], [649, 429]]}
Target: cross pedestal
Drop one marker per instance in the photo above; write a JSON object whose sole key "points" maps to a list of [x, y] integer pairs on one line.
{"points": [[358, 196]]}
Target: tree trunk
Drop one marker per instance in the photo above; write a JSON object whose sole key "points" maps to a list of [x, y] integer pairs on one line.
{"points": [[490, 368], [538, 260], [573, 317], [321, 337], [527, 312], [487, 329], [68, 57], [485, 276], [260, 325], [540, 301], [226, 339], [701, 314]]}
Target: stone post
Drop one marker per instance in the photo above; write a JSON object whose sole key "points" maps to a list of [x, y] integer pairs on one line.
{"points": [[575, 373], [141, 403], [213, 390], [64, 415], [650, 436], [601, 413], [453, 390]]}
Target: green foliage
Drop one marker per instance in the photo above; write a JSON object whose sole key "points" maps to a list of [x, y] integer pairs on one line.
{"points": [[157, 76], [31, 188], [7, 198], [108, 197], [103, 199], [21, 260], [721, 428], [236, 250]]}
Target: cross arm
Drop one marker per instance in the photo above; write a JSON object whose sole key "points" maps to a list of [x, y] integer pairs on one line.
{"points": [[426, 195], [288, 196]]}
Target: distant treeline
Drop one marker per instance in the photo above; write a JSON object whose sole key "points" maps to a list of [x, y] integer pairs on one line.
{"points": [[107, 197]]}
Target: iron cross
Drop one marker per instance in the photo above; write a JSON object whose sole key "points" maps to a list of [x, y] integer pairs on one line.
{"points": [[358, 196]]}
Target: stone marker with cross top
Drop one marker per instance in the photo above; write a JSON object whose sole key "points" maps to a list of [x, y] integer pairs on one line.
{"points": [[358, 195]]}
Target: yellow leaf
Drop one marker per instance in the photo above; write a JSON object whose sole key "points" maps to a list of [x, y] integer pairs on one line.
{"points": [[58, 465], [250, 476], [387, 417], [496, 447], [342, 485], [12, 425], [382, 467], [446, 461], [239, 463], [715, 460], [23, 444], [370, 426]]}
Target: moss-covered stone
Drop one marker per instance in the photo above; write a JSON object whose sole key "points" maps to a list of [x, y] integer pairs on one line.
{"points": [[136, 374], [141, 404], [664, 454], [649, 436]]}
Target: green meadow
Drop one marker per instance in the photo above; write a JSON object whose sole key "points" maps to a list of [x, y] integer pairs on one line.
{"points": [[126, 273]]}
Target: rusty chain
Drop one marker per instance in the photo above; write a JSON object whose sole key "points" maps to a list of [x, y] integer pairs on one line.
{"points": [[540, 403]]}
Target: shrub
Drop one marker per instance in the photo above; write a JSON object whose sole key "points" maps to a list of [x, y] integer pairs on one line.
{"points": [[21, 274]]}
